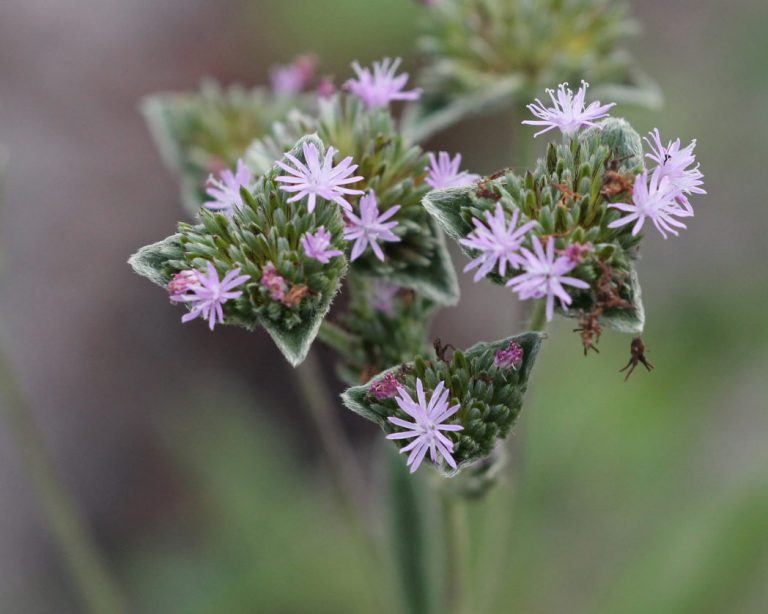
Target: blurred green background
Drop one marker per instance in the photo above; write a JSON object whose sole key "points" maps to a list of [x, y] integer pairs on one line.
{"points": [[193, 463]]}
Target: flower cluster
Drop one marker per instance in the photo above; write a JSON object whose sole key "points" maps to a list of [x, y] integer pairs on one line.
{"points": [[510, 357], [380, 86]]}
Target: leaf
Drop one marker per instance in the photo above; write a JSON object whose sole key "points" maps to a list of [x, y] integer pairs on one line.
{"points": [[490, 397], [151, 261]]}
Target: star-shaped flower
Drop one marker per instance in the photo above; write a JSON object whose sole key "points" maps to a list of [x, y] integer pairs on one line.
{"points": [[657, 200], [568, 113], [498, 241], [225, 191], [208, 294], [381, 86], [545, 276], [677, 165], [427, 427], [370, 227], [443, 172], [316, 245], [313, 178]]}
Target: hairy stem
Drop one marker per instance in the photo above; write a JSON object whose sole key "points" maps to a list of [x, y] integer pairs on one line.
{"points": [[336, 338], [456, 542], [83, 560]]}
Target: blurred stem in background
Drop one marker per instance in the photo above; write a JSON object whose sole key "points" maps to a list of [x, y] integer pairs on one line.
{"points": [[456, 542], [82, 558]]}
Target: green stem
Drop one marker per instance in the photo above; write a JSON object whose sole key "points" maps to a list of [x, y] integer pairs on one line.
{"points": [[456, 542], [336, 337], [83, 561], [538, 321]]}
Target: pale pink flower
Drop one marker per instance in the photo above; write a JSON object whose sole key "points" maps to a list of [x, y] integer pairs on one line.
{"points": [[568, 112], [295, 77], [316, 246], [369, 227], [225, 191], [209, 294], [676, 164], [381, 86], [443, 172]]}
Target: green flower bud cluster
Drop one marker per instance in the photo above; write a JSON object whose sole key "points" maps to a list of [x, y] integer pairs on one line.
{"points": [[490, 396], [262, 237], [567, 195], [485, 54], [395, 171], [203, 132]]}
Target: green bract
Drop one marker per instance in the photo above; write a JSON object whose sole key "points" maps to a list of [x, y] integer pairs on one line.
{"points": [[203, 132], [486, 54], [395, 171], [266, 230], [490, 397], [567, 194]]}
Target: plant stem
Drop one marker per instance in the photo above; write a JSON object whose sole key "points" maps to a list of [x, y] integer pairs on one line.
{"points": [[538, 321], [336, 337], [456, 542], [84, 563]]}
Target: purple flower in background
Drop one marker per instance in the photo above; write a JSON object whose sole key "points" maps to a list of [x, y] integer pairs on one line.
{"points": [[381, 86], [181, 283], [498, 242], [443, 172], [382, 293], [674, 163], [316, 245], [313, 178], [225, 191], [370, 227], [386, 387], [568, 113], [656, 200], [207, 297], [273, 282], [425, 430], [326, 88], [510, 357], [295, 77], [544, 276]]}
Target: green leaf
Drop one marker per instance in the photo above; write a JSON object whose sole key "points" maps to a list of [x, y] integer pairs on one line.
{"points": [[151, 260], [490, 397]]}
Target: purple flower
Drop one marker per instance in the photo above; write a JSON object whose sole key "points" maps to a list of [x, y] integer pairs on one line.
{"points": [[313, 178], [656, 200], [326, 88], [273, 282], [568, 113], [316, 245], [385, 388], [427, 423], [370, 227], [498, 242], [544, 276], [510, 357], [181, 283], [207, 297], [382, 293], [382, 86], [225, 191], [673, 163], [443, 172], [292, 78]]}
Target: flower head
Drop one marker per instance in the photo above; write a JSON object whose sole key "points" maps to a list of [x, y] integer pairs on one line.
{"points": [[382, 294], [225, 191], [181, 283], [316, 245], [568, 113], [498, 242], [369, 227], [576, 252], [677, 165], [443, 172], [314, 178], [545, 276], [386, 387], [382, 86], [294, 77], [510, 357], [209, 294], [273, 282], [425, 430], [326, 88], [656, 200]]}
